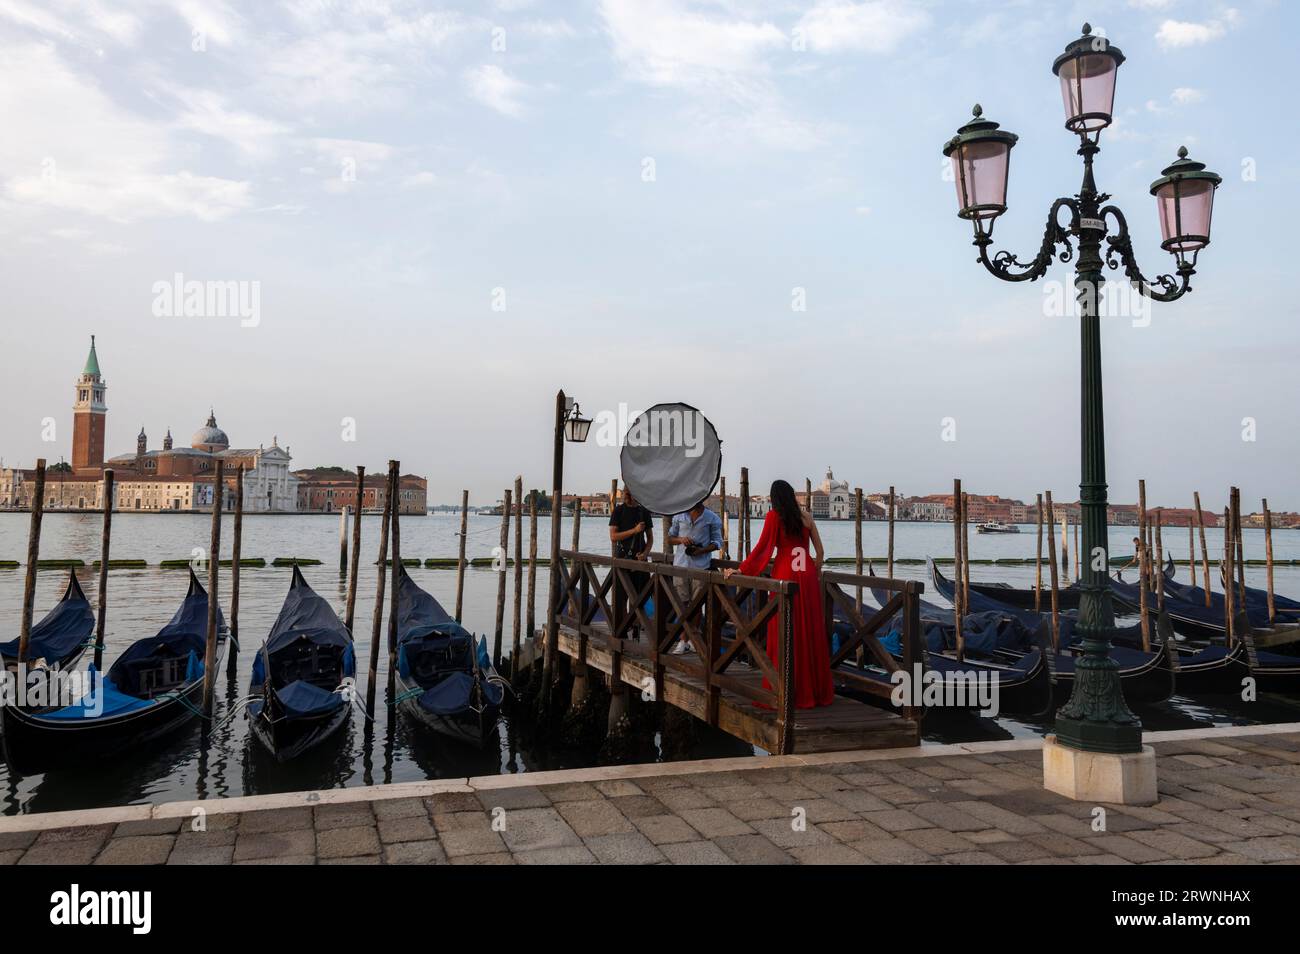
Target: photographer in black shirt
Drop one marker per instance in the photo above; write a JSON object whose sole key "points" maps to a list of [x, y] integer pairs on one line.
{"points": [[631, 534]]}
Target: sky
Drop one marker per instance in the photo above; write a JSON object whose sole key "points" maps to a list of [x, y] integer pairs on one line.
{"points": [[438, 215]]}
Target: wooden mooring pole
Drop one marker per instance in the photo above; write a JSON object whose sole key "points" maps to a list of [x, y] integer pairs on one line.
{"points": [[726, 521], [395, 530], [532, 570], [1051, 567], [377, 619], [503, 561], [517, 620], [236, 549], [349, 615], [1205, 550], [460, 561], [1240, 559], [889, 554], [1142, 534], [553, 591], [1268, 559], [965, 553], [1225, 573], [857, 538], [214, 567], [101, 598], [956, 563], [343, 541], [33, 558], [1038, 561], [743, 548], [1159, 581]]}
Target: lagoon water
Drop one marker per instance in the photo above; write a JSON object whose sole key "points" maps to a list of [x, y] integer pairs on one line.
{"points": [[141, 600]]}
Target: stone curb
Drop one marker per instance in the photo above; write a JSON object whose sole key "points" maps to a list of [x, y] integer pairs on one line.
{"points": [[44, 821]]}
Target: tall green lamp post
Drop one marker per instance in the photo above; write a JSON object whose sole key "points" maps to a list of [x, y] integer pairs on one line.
{"points": [[1096, 719]]}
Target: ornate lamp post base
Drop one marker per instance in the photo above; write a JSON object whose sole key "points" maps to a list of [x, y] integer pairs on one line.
{"points": [[1127, 778]]}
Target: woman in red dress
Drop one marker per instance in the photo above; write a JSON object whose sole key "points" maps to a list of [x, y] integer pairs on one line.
{"points": [[788, 529]]}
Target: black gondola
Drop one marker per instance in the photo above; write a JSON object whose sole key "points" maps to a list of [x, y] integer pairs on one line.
{"points": [[444, 680], [154, 687], [1067, 597], [303, 675], [62, 635], [1146, 676]]}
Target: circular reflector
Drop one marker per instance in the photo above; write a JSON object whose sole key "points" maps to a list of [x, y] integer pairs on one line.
{"points": [[671, 458]]}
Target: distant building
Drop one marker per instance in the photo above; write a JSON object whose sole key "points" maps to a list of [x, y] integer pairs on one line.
{"points": [[330, 489]]}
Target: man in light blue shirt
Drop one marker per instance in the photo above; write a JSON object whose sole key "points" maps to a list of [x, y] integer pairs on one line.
{"points": [[696, 534]]}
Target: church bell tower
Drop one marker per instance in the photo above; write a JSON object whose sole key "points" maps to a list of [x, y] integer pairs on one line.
{"points": [[88, 415]]}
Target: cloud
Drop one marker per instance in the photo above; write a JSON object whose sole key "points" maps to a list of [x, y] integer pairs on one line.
{"points": [[494, 87], [206, 112], [1185, 96], [876, 26], [1179, 33], [69, 146]]}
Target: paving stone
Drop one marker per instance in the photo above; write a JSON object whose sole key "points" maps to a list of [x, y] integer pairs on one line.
{"points": [[858, 800], [998, 817], [974, 858], [682, 799], [415, 853], [350, 815], [762, 807], [892, 851], [896, 819], [949, 817], [1268, 848], [572, 792], [819, 810], [462, 821], [594, 818], [1016, 851], [479, 841], [569, 855], [752, 850], [392, 830], [974, 786], [266, 844], [695, 853], [528, 796], [624, 849], [1127, 848], [496, 858], [279, 860], [741, 792], [538, 829], [148, 826], [446, 803], [10, 856], [665, 829], [198, 855], [351, 860], [1060, 845], [831, 853], [390, 808], [275, 820], [638, 806], [850, 831], [715, 822], [780, 833], [1102, 859], [95, 833], [614, 788], [68, 852], [989, 836], [347, 842], [136, 850], [187, 840], [16, 839], [899, 794], [936, 841]]}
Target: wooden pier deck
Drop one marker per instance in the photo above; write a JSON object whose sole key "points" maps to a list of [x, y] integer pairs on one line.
{"points": [[726, 620]]}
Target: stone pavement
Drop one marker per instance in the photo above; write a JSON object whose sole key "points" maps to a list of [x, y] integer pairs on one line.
{"points": [[1228, 796]]}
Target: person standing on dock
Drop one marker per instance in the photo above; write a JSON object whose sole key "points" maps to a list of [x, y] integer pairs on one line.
{"points": [[697, 534], [632, 535], [788, 541]]}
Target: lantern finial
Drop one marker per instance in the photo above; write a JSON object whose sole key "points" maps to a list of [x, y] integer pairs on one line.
{"points": [[977, 111], [1087, 29], [1182, 152]]}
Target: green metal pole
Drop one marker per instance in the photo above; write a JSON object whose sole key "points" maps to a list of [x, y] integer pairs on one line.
{"points": [[1096, 718]]}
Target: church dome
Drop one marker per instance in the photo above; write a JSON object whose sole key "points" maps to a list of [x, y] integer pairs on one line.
{"points": [[210, 437]]}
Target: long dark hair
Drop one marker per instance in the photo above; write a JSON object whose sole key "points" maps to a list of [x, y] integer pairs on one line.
{"points": [[787, 507]]}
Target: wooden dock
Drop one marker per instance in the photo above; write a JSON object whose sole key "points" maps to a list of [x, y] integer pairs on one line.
{"points": [[602, 622]]}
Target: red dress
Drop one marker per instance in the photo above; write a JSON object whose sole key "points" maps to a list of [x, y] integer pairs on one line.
{"points": [[812, 656]]}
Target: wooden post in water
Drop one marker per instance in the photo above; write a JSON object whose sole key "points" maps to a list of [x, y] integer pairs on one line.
{"points": [[503, 554], [807, 490], [1191, 551], [743, 548], [460, 561], [613, 495], [214, 566], [1038, 561], [1142, 531], [577, 522], [236, 551], [1225, 574], [965, 553], [517, 620], [1159, 568], [395, 529], [377, 621], [532, 570], [889, 545], [1056, 592], [1144, 593], [1076, 549], [857, 537], [726, 522], [33, 558], [1240, 559], [343, 541], [1268, 559], [1205, 550], [349, 614], [1065, 545], [553, 590], [101, 598], [956, 564]]}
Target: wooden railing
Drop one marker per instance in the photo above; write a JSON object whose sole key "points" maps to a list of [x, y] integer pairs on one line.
{"points": [[605, 600]]}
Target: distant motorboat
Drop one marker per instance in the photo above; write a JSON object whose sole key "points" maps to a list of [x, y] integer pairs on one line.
{"points": [[993, 526]]}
